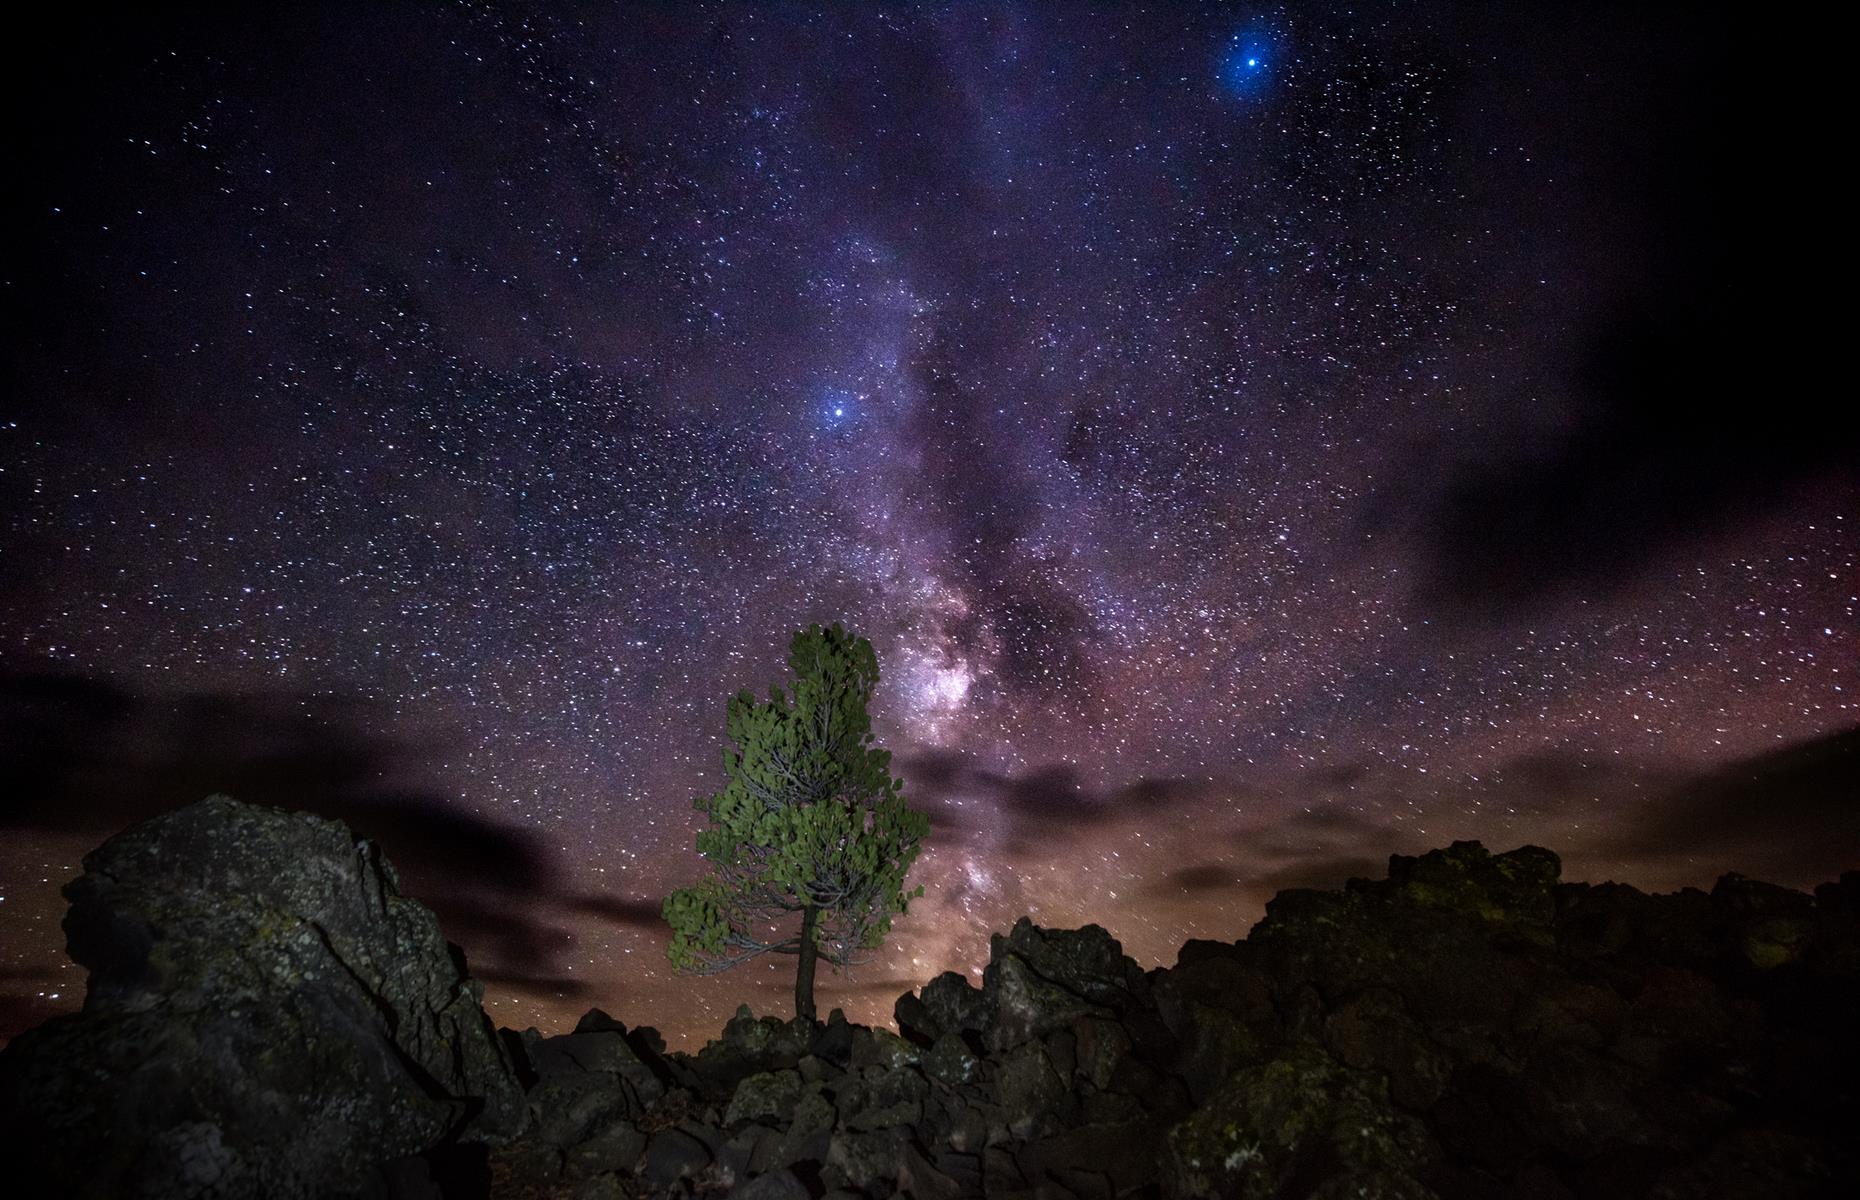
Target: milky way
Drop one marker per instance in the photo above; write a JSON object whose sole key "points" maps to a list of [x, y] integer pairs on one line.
{"points": [[1256, 441]]}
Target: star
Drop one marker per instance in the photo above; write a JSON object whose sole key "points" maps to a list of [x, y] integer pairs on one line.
{"points": [[1232, 432]]}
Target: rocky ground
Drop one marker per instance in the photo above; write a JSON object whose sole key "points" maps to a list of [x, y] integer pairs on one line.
{"points": [[1468, 1027]]}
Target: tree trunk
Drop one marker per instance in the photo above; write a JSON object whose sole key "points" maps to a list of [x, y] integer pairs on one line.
{"points": [[804, 974]]}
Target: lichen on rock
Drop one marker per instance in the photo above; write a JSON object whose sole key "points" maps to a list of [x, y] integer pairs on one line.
{"points": [[266, 1016]]}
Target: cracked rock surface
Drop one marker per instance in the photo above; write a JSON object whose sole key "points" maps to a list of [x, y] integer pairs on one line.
{"points": [[266, 1015]]}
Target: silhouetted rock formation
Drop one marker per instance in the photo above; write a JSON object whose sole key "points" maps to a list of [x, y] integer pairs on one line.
{"points": [[266, 1016], [1467, 1027]]}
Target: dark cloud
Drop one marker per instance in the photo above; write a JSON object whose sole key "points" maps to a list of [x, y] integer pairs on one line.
{"points": [[1038, 807], [895, 985], [1666, 454], [1791, 816], [84, 757], [560, 986], [1682, 403], [1323, 830], [1316, 849], [1320, 872], [633, 912]]}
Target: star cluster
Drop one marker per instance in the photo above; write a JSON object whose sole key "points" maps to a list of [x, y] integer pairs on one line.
{"points": [[1255, 443]]}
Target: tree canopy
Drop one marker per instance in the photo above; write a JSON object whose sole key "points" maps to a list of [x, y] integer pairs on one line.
{"points": [[809, 839]]}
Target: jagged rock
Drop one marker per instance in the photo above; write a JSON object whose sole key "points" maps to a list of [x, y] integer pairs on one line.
{"points": [[947, 1004], [813, 1069], [1770, 926], [805, 1138], [587, 1080], [1087, 962], [962, 1167], [867, 1160], [1100, 1047], [1300, 1117], [771, 1094], [1372, 1031], [920, 1179], [266, 1016], [1220, 1015], [881, 1048], [750, 1045], [1459, 962], [1579, 1103], [1027, 1005], [1062, 1050], [600, 1187], [1837, 926], [956, 1123], [615, 1147], [738, 1149], [1112, 1108], [527, 1163], [566, 1109], [1127, 1154], [833, 1041], [1615, 929], [1000, 1173], [601, 1044], [951, 1062], [1467, 1027], [1029, 1089], [889, 1099], [1756, 1164], [1514, 888], [780, 1184], [671, 1155]]}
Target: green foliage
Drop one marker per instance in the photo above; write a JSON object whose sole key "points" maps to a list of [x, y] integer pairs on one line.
{"points": [[808, 817]]}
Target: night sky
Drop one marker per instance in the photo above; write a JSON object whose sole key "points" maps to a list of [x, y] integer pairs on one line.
{"points": [[1256, 440]]}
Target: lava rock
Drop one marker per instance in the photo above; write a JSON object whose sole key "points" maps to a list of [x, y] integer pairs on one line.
{"points": [[266, 1016], [616, 1147], [1027, 1005], [673, 1154], [1087, 962], [947, 1004], [768, 1095], [781, 1184], [951, 1062], [1300, 1117]]}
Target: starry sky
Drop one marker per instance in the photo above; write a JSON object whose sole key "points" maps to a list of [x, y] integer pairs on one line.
{"points": [[1257, 440]]}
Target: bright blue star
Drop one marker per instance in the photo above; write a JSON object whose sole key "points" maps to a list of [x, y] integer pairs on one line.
{"points": [[1247, 62], [837, 407]]}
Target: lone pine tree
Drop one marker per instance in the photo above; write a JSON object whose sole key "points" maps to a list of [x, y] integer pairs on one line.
{"points": [[809, 840]]}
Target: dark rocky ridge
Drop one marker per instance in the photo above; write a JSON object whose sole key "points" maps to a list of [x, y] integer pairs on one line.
{"points": [[1467, 1027]]}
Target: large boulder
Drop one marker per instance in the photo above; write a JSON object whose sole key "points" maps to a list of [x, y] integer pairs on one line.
{"points": [[1087, 962], [267, 1016], [749, 1046], [1300, 1124], [1041, 980], [947, 1004]]}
